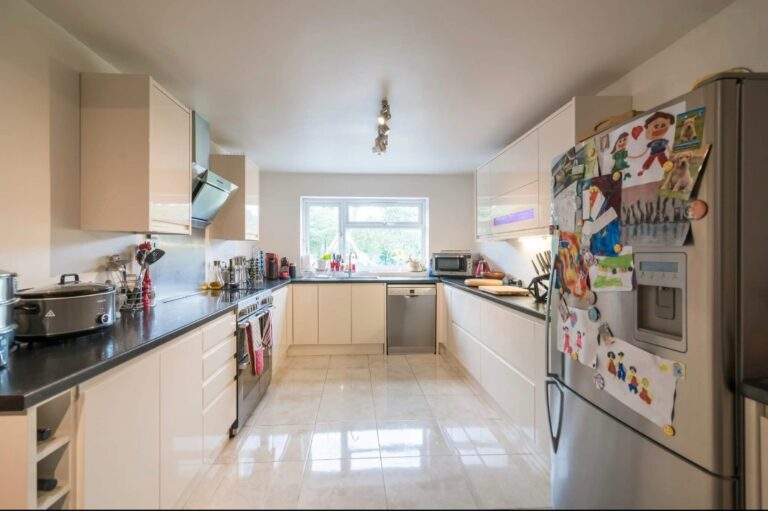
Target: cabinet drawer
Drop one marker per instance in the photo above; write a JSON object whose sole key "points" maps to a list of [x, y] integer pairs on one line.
{"points": [[218, 382], [217, 356], [218, 329], [217, 420]]}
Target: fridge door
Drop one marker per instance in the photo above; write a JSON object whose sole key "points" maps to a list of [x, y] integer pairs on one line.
{"points": [[705, 413], [602, 464]]}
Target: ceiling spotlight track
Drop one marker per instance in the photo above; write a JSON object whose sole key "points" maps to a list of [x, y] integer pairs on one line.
{"points": [[380, 144]]}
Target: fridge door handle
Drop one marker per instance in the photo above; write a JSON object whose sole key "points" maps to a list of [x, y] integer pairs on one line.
{"points": [[548, 323], [554, 434]]}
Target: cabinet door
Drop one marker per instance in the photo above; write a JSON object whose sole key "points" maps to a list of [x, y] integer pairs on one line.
{"points": [[555, 136], [483, 201], [369, 313], [467, 351], [516, 210], [305, 314], [252, 208], [279, 327], [170, 164], [517, 166], [510, 389], [181, 416], [335, 310], [118, 443]]}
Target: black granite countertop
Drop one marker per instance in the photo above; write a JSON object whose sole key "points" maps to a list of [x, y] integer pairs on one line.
{"points": [[524, 304], [756, 390], [420, 279], [37, 371]]}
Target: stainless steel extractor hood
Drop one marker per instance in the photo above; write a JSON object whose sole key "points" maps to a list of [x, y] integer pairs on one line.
{"points": [[209, 190]]}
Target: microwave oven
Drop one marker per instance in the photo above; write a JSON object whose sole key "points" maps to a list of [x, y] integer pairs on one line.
{"points": [[454, 263]]}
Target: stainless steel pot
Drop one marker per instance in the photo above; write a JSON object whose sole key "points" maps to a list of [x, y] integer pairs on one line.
{"points": [[66, 308], [7, 285], [6, 339], [6, 312]]}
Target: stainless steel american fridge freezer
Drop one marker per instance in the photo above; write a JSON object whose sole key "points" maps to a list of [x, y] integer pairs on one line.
{"points": [[605, 455]]}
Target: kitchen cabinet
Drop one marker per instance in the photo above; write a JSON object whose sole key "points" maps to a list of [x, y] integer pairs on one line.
{"points": [[181, 416], [335, 314], [218, 389], [135, 156], [238, 219], [281, 322], [369, 313], [119, 443], [504, 351], [519, 176], [305, 314], [483, 201], [755, 454]]}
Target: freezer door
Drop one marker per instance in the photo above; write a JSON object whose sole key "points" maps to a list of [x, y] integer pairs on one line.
{"points": [[705, 410], [602, 464]]}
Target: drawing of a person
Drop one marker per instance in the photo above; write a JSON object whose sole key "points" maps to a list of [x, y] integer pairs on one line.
{"points": [[622, 370], [579, 343], [656, 127], [567, 348], [632, 380], [619, 153], [612, 363], [644, 394]]}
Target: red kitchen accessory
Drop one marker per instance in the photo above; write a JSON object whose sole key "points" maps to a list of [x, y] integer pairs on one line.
{"points": [[482, 267]]}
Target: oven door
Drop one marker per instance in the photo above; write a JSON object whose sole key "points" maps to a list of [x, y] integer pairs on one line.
{"points": [[251, 387], [450, 264]]}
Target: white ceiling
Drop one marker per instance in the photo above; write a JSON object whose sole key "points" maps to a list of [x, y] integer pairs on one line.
{"points": [[297, 85]]}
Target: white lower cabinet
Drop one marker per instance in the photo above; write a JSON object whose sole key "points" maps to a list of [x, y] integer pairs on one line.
{"points": [[305, 314], [335, 314], [369, 313], [118, 461], [281, 331], [504, 351], [146, 428], [181, 416]]}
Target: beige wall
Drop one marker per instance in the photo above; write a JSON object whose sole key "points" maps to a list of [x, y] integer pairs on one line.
{"points": [[451, 204], [736, 36], [40, 149]]}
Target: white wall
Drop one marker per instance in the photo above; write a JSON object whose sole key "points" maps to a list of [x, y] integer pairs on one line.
{"points": [[451, 204], [514, 256], [736, 36]]}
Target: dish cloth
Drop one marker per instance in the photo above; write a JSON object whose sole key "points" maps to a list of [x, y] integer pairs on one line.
{"points": [[256, 355], [266, 335]]}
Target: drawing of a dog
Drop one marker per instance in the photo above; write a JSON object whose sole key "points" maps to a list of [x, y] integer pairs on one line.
{"points": [[688, 130], [679, 179]]}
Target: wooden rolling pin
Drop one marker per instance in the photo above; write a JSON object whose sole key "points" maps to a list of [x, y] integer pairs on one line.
{"points": [[483, 282]]}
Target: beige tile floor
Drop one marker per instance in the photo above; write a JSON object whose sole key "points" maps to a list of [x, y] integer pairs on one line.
{"points": [[397, 432]]}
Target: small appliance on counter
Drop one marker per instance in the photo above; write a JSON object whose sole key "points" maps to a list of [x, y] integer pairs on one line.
{"points": [[453, 263], [272, 266], [8, 301], [67, 308]]}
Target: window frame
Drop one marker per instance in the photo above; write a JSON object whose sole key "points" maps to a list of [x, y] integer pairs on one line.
{"points": [[343, 203]]}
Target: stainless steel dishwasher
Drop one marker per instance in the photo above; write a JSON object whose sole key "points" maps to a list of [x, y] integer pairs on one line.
{"points": [[411, 318]]}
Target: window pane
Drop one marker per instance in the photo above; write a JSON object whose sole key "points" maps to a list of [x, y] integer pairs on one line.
{"points": [[323, 228], [385, 246], [383, 213]]}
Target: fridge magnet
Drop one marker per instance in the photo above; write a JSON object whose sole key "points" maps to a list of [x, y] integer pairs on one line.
{"points": [[639, 379], [696, 209], [594, 314], [601, 199], [604, 334], [640, 148], [689, 129], [684, 171], [613, 273], [571, 269], [577, 338], [647, 219]]}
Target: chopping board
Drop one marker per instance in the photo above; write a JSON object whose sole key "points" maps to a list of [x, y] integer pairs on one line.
{"points": [[483, 282], [504, 290]]}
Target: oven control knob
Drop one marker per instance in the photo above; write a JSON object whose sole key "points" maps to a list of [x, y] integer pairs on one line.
{"points": [[103, 319]]}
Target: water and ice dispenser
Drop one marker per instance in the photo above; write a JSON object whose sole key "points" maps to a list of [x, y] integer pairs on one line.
{"points": [[660, 299]]}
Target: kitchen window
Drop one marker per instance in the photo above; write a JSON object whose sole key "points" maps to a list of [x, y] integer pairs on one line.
{"points": [[384, 233]]}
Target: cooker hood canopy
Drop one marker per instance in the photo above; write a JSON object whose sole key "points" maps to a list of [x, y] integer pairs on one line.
{"points": [[209, 190]]}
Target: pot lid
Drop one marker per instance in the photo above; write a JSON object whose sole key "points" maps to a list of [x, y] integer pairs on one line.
{"points": [[66, 289], [6, 274]]}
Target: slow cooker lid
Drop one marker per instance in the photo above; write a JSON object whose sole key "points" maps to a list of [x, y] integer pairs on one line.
{"points": [[66, 289], [4, 274]]}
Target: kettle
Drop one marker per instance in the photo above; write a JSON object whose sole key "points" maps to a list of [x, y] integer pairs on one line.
{"points": [[482, 267]]}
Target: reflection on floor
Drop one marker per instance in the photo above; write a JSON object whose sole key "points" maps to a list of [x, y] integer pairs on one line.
{"points": [[375, 432]]}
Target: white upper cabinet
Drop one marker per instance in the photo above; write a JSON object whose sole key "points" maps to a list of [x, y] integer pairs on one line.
{"points": [[239, 217], [512, 190], [135, 156]]}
